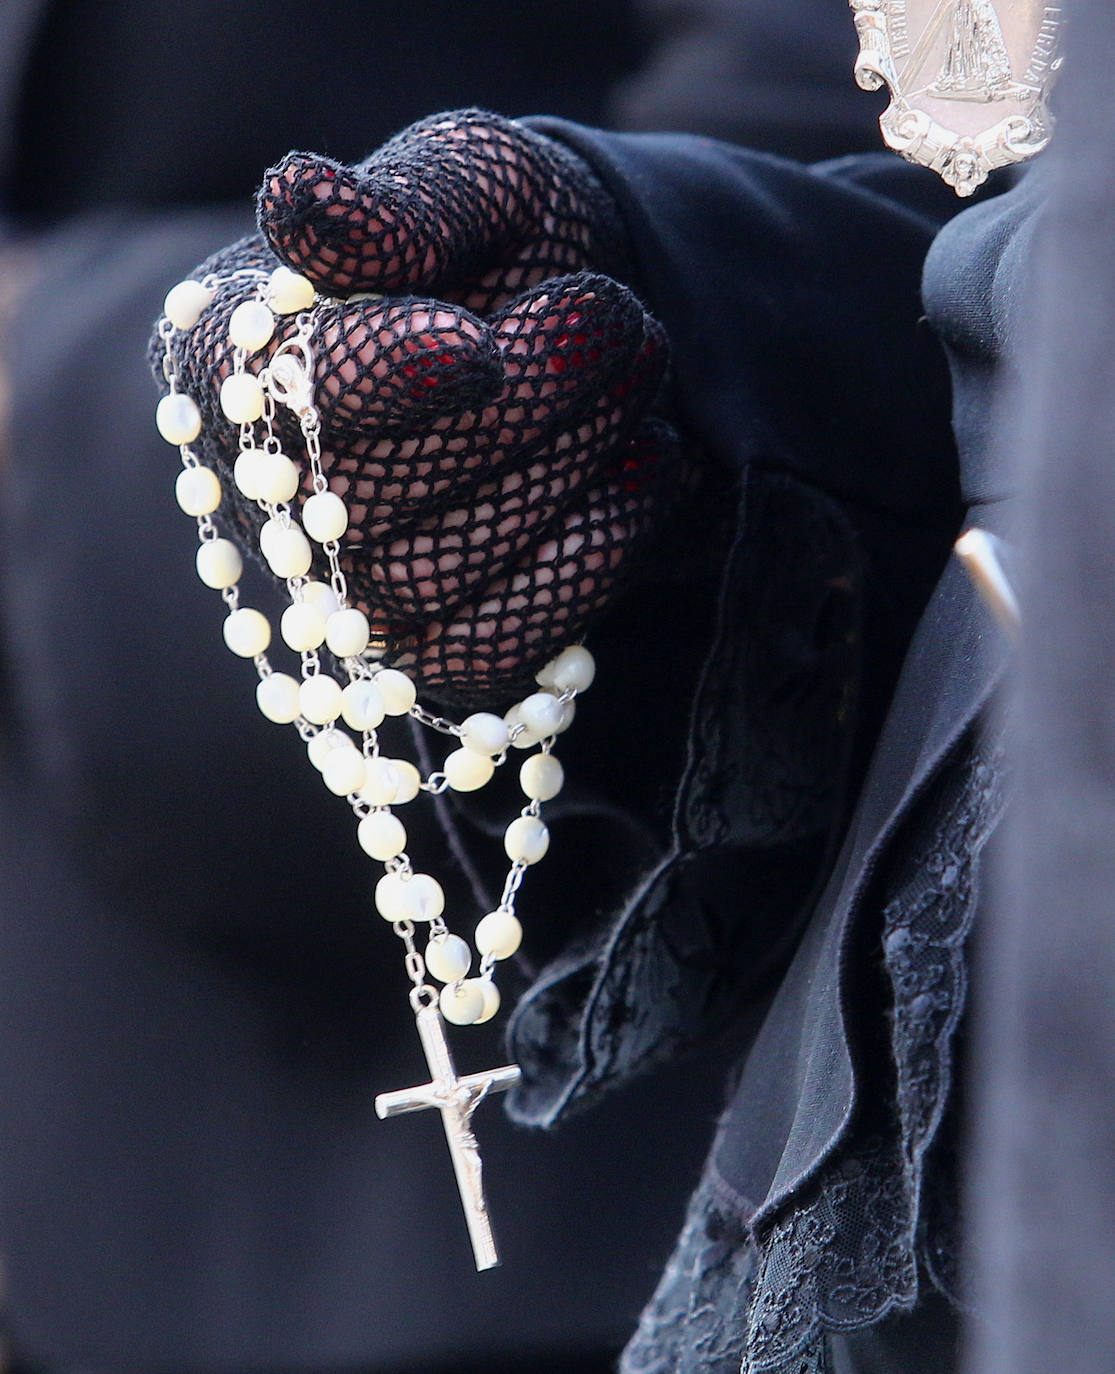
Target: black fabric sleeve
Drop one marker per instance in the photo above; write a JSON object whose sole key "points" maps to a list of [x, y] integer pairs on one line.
{"points": [[791, 297]]}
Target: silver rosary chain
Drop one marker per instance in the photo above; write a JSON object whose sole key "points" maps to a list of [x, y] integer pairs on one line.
{"points": [[438, 723]]}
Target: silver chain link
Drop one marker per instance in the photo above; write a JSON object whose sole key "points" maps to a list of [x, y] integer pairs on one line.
{"points": [[439, 723]]}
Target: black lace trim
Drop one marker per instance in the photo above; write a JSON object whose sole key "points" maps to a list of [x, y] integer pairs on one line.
{"points": [[883, 1209], [838, 1262], [763, 791], [692, 1323], [851, 1255]]}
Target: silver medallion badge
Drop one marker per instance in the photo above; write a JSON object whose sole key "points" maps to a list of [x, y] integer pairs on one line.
{"points": [[969, 80]]}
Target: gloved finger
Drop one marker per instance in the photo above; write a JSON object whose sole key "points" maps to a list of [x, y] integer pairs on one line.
{"points": [[380, 364], [439, 561], [433, 208], [577, 355], [397, 366], [570, 342], [563, 580]]}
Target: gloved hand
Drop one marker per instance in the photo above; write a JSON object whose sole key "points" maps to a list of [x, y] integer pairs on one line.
{"points": [[501, 468]]}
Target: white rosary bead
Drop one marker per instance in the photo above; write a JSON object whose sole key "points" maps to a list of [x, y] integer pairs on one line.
{"points": [[178, 419], [568, 711], [541, 777], [247, 632], [241, 398], [490, 993], [499, 934], [397, 691], [484, 733], [198, 490], [462, 1004], [321, 595], [466, 771], [343, 771], [185, 302], [572, 671], [410, 782], [251, 326], [245, 472], [320, 698], [286, 549], [417, 898], [325, 516], [277, 698], [525, 739], [382, 835], [448, 958], [302, 627], [381, 781], [526, 840], [289, 292], [276, 478], [361, 704], [269, 532], [541, 713], [347, 633], [389, 897], [321, 745], [219, 563]]}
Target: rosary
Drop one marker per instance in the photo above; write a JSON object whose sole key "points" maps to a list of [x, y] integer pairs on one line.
{"points": [[360, 692]]}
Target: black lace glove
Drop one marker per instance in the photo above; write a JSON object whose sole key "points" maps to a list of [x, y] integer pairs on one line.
{"points": [[467, 206], [492, 435]]}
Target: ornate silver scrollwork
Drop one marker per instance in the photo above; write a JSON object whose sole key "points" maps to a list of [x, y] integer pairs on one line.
{"points": [[969, 80]]}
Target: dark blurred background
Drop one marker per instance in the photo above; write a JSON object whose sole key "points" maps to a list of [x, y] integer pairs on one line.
{"points": [[127, 102]]}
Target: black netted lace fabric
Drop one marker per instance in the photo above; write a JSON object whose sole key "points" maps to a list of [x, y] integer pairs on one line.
{"points": [[494, 436], [471, 202]]}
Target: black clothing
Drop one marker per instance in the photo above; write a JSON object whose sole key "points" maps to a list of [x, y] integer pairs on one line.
{"points": [[849, 504], [829, 1200]]}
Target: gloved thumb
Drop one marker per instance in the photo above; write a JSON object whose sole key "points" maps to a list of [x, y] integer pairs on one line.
{"points": [[449, 199]]}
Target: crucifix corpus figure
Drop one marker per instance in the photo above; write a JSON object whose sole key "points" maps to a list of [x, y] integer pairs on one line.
{"points": [[456, 1099]]}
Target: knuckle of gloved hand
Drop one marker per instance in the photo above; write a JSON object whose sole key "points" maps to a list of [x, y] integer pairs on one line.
{"points": [[297, 184], [406, 363], [585, 329]]}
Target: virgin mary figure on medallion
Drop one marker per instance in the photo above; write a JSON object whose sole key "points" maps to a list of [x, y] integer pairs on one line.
{"points": [[976, 65]]}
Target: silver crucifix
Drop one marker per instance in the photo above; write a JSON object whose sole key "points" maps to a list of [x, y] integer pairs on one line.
{"points": [[456, 1099]]}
